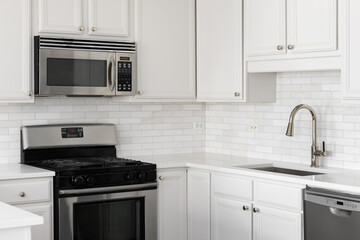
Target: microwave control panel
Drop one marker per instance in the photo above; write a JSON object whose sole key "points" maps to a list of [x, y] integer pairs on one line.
{"points": [[124, 76]]}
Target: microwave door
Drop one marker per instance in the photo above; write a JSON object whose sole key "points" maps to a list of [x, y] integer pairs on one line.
{"points": [[77, 73]]}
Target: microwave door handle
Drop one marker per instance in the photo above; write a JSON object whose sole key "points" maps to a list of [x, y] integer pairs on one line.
{"points": [[111, 74]]}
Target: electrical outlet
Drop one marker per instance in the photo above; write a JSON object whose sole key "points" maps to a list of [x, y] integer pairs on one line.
{"points": [[198, 125], [253, 127]]}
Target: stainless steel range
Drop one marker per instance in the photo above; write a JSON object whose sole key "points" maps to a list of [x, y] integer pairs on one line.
{"points": [[97, 196]]}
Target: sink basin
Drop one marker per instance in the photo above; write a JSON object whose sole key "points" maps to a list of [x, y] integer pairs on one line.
{"points": [[287, 171], [282, 170]]}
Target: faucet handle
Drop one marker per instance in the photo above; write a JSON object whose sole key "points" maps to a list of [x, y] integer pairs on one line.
{"points": [[322, 153]]}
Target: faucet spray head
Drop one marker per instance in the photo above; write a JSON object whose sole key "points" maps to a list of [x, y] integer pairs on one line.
{"points": [[290, 129]]}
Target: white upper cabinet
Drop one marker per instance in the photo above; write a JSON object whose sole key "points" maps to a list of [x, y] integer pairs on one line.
{"points": [[65, 16], [312, 25], [351, 71], [109, 18], [15, 49], [105, 19], [219, 50], [166, 49], [286, 27], [265, 27]]}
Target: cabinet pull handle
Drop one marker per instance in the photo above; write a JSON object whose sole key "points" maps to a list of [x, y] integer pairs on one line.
{"points": [[245, 208], [280, 47], [81, 28], [29, 94], [93, 29], [256, 210], [22, 194], [140, 92], [161, 178], [291, 47], [237, 94]]}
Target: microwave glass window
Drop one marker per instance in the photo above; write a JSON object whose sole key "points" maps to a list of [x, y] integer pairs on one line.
{"points": [[76, 72], [122, 219]]}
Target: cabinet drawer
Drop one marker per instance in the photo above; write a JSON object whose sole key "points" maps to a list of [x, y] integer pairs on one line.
{"points": [[231, 186], [25, 191], [279, 195]]}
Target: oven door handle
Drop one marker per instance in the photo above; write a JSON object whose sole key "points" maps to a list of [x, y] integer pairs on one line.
{"points": [[126, 188]]}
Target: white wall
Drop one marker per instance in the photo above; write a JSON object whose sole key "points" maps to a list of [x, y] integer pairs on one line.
{"points": [[338, 124], [143, 129]]}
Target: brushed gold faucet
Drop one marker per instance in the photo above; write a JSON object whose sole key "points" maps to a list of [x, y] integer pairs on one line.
{"points": [[315, 152]]}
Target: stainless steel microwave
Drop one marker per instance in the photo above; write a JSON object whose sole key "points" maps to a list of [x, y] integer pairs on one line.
{"points": [[77, 67]]}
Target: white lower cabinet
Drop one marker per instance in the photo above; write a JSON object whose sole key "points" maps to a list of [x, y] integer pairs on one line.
{"points": [[275, 224], [172, 207], [231, 219], [198, 205], [33, 195], [44, 231]]}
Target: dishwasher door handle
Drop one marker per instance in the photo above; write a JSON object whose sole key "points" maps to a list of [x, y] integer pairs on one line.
{"points": [[340, 212]]}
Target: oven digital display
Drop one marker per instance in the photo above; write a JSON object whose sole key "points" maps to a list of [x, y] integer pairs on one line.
{"points": [[72, 132]]}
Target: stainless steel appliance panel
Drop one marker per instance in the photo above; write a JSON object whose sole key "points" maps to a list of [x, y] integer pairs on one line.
{"points": [[144, 191], [109, 82], [331, 215]]}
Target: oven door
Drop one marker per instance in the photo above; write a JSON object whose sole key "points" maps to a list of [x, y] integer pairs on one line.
{"points": [[113, 213], [76, 72]]}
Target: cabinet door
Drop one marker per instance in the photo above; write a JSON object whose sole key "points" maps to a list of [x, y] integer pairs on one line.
{"points": [[351, 71], [271, 223], [172, 217], [109, 18], [65, 16], [265, 27], [219, 50], [230, 219], [166, 49], [312, 25], [198, 205], [44, 231], [15, 49]]}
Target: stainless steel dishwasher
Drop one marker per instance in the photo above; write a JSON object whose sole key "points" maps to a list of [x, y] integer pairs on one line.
{"points": [[331, 215]]}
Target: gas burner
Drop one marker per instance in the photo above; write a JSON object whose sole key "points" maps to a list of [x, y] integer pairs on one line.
{"points": [[69, 164]]}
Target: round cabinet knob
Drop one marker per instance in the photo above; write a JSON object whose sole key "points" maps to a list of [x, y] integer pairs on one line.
{"points": [[245, 208], [93, 29], [30, 94], [291, 47], [22, 194], [237, 94], [256, 210], [280, 47], [161, 178], [140, 92], [81, 28], [78, 181]]}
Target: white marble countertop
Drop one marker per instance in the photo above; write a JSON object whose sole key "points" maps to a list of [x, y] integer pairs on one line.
{"points": [[344, 180], [13, 217], [10, 171]]}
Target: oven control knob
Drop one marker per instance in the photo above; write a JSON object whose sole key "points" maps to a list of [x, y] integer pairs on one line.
{"points": [[141, 176], [78, 181], [129, 177], [90, 180]]}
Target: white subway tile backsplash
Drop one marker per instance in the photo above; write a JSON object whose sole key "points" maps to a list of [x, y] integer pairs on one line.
{"points": [[164, 128]]}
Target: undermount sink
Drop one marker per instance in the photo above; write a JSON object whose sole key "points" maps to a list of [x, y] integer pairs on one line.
{"points": [[288, 171]]}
